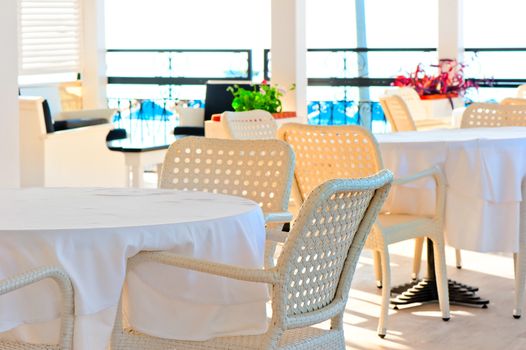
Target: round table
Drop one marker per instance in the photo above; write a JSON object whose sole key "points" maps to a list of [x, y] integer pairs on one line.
{"points": [[91, 232], [484, 170]]}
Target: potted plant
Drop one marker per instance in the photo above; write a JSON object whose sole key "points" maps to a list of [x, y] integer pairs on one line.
{"points": [[447, 83], [265, 97]]}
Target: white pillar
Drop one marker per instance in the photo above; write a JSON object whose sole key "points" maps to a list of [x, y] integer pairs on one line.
{"points": [[288, 53], [93, 55], [9, 121], [363, 67], [450, 38]]}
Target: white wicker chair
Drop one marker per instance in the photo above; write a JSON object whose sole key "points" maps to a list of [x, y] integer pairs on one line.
{"points": [[483, 115], [514, 101], [250, 125], [488, 115], [311, 281], [260, 170], [328, 152], [67, 317], [397, 113], [521, 91], [412, 100], [400, 115]]}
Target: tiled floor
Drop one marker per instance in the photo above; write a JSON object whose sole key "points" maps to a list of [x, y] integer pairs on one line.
{"points": [[421, 327]]}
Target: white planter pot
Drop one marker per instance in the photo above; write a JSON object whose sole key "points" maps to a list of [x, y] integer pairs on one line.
{"points": [[441, 108]]}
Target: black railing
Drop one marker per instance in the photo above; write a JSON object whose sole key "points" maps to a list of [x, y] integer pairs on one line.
{"points": [[387, 81], [347, 81], [164, 70], [173, 73], [325, 81]]}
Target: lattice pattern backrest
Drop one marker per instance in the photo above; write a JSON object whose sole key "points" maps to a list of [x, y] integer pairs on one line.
{"points": [[411, 99], [319, 244], [330, 152], [250, 125], [521, 91], [487, 115], [513, 101], [398, 113], [259, 170]]}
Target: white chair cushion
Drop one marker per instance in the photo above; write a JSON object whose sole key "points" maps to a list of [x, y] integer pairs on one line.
{"points": [[191, 116]]}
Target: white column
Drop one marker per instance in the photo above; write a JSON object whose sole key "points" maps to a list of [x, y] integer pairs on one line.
{"points": [[450, 38], [93, 55], [363, 66], [288, 53], [9, 121]]}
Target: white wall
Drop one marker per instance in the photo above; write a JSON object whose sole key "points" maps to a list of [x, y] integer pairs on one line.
{"points": [[9, 138]]}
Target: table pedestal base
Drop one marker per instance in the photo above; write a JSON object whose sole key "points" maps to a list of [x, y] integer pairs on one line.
{"points": [[425, 291]]}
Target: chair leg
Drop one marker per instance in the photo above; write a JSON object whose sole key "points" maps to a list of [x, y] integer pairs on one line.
{"points": [[459, 258], [520, 280], [386, 292], [515, 264], [519, 260], [270, 251], [377, 262], [441, 279], [417, 260]]}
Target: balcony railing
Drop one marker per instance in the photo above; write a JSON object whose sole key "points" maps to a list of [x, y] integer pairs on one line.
{"points": [[178, 76]]}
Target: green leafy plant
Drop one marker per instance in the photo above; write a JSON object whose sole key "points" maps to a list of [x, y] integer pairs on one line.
{"points": [[265, 97]]}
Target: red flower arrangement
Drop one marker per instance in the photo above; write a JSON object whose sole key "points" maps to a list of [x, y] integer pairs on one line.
{"points": [[448, 82]]}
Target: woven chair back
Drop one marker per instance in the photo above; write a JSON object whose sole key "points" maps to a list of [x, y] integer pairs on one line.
{"points": [[260, 170], [411, 99], [521, 91], [250, 125], [487, 115], [514, 101], [330, 152], [321, 252], [397, 113]]}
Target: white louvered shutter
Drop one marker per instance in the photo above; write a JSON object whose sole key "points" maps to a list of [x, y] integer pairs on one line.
{"points": [[49, 36]]}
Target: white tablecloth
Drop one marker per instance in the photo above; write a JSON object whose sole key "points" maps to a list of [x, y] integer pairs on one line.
{"points": [[92, 232], [484, 168]]}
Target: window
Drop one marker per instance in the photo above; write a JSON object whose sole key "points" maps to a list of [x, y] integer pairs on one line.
{"points": [[495, 47], [189, 24], [168, 31], [330, 24], [49, 39], [494, 23]]}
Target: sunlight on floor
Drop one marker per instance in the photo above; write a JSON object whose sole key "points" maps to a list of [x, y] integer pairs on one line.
{"points": [[421, 326]]}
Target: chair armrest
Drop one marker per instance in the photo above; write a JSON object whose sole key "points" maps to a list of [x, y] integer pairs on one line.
{"points": [[83, 134], [61, 278], [24, 279], [81, 157], [417, 176], [230, 271], [281, 217], [104, 113], [440, 181]]}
